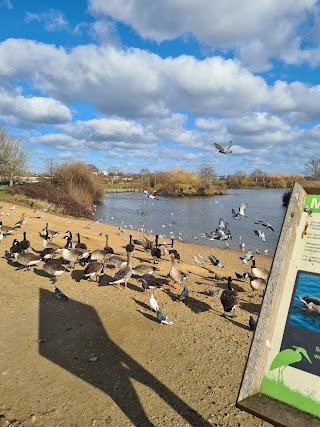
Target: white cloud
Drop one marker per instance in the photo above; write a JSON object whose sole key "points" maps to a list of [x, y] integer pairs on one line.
{"points": [[20, 111], [52, 20]]}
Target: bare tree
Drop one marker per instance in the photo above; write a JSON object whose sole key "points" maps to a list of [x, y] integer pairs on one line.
{"points": [[14, 156], [206, 174], [312, 168], [50, 168]]}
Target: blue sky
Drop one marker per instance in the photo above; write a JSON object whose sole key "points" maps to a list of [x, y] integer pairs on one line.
{"points": [[130, 84]]}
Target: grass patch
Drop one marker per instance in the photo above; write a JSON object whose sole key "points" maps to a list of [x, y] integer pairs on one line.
{"points": [[283, 393]]}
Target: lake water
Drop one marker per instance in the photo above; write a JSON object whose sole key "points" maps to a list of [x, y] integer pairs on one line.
{"points": [[188, 218]]}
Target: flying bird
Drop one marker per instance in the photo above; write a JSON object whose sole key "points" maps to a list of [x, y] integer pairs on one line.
{"points": [[222, 150], [260, 234], [265, 224], [247, 257], [241, 211], [223, 232]]}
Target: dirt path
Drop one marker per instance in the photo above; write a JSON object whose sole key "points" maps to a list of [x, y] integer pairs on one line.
{"points": [[140, 373]]}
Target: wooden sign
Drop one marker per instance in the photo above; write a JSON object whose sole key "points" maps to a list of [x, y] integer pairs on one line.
{"points": [[281, 382]]}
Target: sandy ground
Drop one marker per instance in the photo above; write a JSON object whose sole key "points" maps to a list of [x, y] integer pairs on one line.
{"points": [[144, 373]]}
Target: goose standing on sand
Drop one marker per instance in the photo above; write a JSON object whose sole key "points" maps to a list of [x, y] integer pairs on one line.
{"points": [[25, 244], [54, 269], [79, 244], [176, 275], [142, 269], [115, 261], [26, 259], [15, 248], [73, 256], [258, 272], [124, 274], [93, 270], [6, 230], [48, 244], [229, 299], [108, 249], [49, 233], [21, 221], [130, 246], [148, 281], [256, 283], [156, 251]]}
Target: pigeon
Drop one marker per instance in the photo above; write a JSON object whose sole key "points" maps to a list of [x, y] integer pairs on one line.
{"points": [[214, 261], [184, 294], [213, 292], [239, 276], [241, 212], [197, 261], [163, 318], [223, 232], [148, 281], [217, 276], [153, 303], [252, 323], [222, 150], [265, 224], [59, 294], [247, 257], [260, 234]]}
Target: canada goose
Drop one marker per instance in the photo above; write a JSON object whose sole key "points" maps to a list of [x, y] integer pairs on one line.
{"points": [[115, 261], [15, 248], [21, 221], [47, 253], [229, 299], [45, 231], [48, 244], [24, 244], [54, 269], [142, 269], [27, 259], [108, 249], [177, 275], [167, 248], [258, 272], [148, 281], [130, 246], [146, 243], [156, 251], [93, 270], [72, 243], [71, 255], [256, 283], [6, 230], [79, 244], [124, 274]]}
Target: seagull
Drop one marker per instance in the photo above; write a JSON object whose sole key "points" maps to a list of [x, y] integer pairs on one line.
{"points": [[153, 303], [214, 261], [265, 224], [163, 318], [213, 292], [59, 294], [260, 234], [241, 212], [197, 261], [222, 150], [252, 323], [184, 294]]}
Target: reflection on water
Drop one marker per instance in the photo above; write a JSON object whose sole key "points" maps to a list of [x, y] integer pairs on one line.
{"points": [[187, 218]]}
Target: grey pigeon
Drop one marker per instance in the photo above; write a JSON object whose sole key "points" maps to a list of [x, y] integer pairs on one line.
{"points": [[184, 294], [163, 318], [214, 261], [260, 234], [213, 292], [265, 224], [59, 294], [241, 212], [252, 323]]}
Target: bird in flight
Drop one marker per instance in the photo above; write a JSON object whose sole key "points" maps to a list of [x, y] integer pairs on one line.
{"points": [[241, 212], [264, 223], [260, 234], [222, 150]]}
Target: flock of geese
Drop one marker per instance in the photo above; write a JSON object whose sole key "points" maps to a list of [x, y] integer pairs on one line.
{"points": [[58, 259]]}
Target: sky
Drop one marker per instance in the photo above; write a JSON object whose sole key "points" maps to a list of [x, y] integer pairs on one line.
{"points": [[132, 84]]}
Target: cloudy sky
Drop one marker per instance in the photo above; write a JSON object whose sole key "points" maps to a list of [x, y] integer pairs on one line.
{"points": [[140, 83]]}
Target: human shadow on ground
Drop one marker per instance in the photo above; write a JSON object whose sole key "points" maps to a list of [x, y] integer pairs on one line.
{"points": [[73, 334]]}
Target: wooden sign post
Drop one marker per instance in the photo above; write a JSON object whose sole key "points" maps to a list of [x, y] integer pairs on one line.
{"points": [[281, 382]]}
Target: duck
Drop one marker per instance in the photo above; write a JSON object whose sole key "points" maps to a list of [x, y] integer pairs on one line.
{"points": [[93, 270], [258, 272], [156, 251], [176, 275], [311, 306], [124, 274], [25, 244], [6, 230], [54, 269], [26, 259], [229, 299]]}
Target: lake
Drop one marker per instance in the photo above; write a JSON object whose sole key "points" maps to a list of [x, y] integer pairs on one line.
{"points": [[188, 218]]}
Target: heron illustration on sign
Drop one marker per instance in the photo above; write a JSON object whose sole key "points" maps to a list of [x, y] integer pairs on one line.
{"points": [[288, 357]]}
